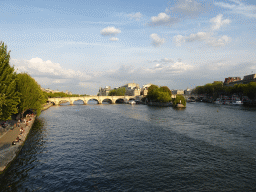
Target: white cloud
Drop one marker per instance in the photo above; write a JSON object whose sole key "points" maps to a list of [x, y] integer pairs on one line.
{"points": [[162, 19], [202, 36], [174, 68], [164, 60], [109, 31], [187, 8], [137, 16], [221, 41], [38, 67], [156, 40], [217, 22], [239, 8], [113, 39]]}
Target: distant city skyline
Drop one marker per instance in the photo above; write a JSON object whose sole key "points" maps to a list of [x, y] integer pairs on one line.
{"points": [[81, 46]]}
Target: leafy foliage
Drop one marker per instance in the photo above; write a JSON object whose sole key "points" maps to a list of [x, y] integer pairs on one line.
{"points": [[166, 89], [217, 89], [32, 96], [179, 99], [9, 97], [61, 94], [117, 92], [162, 94]]}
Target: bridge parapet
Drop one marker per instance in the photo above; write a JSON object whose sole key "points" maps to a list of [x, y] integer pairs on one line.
{"points": [[85, 99]]}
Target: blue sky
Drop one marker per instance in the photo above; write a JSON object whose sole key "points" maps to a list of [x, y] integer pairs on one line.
{"points": [[81, 46]]}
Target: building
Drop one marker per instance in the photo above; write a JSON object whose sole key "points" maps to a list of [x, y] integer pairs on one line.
{"points": [[144, 90], [247, 79], [50, 91], [178, 92], [68, 92], [231, 79], [188, 91], [132, 89], [104, 91]]}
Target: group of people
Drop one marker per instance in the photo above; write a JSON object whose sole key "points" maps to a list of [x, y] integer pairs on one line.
{"points": [[4, 124], [22, 130]]}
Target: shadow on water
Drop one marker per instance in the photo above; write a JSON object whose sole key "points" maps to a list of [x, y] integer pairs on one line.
{"points": [[20, 169], [137, 148]]}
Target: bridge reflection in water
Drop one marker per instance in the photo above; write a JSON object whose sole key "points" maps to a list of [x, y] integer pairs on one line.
{"points": [[85, 99]]}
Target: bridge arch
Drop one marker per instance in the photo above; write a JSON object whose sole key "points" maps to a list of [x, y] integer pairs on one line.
{"points": [[93, 99], [107, 100], [79, 100], [99, 99]]}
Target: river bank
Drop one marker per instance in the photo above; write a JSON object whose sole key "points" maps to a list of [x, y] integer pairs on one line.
{"points": [[9, 151], [47, 106]]}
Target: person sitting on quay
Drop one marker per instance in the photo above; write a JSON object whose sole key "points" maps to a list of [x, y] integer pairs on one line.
{"points": [[17, 139], [21, 130]]}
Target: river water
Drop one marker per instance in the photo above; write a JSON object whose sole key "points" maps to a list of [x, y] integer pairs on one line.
{"points": [[204, 147]]}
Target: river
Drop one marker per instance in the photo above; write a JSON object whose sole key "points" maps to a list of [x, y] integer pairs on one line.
{"points": [[205, 147]]}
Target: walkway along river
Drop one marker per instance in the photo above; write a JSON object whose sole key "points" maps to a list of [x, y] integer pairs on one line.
{"points": [[205, 147], [8, 152]]}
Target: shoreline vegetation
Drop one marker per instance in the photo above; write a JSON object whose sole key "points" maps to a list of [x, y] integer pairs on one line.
{"points": [[162, 97]]}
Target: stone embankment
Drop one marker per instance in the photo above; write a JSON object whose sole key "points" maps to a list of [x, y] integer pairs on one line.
{"points": [[8, 151], [47, 106]]}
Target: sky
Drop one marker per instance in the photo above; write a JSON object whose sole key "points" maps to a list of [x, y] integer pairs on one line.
{"points": [[82, 45]]}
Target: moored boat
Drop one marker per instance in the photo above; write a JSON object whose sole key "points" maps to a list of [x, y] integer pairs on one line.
{"points": [[132, 102]]}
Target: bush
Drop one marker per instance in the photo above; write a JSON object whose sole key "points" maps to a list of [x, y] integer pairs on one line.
{"points": [[178, 99], [156, 94]]}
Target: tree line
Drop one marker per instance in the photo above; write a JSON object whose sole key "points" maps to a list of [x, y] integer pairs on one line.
{"points": [[18, 92], [163, 95], [217, 89], [61, 94]]}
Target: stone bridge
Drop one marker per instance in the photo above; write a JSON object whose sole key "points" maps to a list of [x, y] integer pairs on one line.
{"points": [[85, 99]]}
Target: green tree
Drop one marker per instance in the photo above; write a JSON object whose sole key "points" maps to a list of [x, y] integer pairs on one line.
{"points": [[153, 91], [250, 90], [9, 97], [166, 89], [117, 92], [162, 94], [32, 97], [179, 99], [2, 102], [164, 97]]}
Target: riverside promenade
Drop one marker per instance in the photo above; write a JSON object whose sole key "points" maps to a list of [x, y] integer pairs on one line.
{"points": [[8, 152]]}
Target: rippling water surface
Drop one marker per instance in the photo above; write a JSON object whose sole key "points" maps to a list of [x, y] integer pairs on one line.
{"points": [[205, 147]]}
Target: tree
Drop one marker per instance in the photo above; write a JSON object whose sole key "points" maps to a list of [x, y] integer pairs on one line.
{"points": [[117, 92], [153, 93], [2, 102], [250, 90], [179, 99], [32, 97], [166, 89], [162, 94], [164, 97], [9, 97]]}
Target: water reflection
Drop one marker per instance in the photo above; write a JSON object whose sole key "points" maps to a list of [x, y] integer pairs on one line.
{"points": [[137, 148]]}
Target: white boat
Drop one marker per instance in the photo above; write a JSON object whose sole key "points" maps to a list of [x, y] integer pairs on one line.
{"points": [[236, 101], [218, 101], [132, 102]]}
